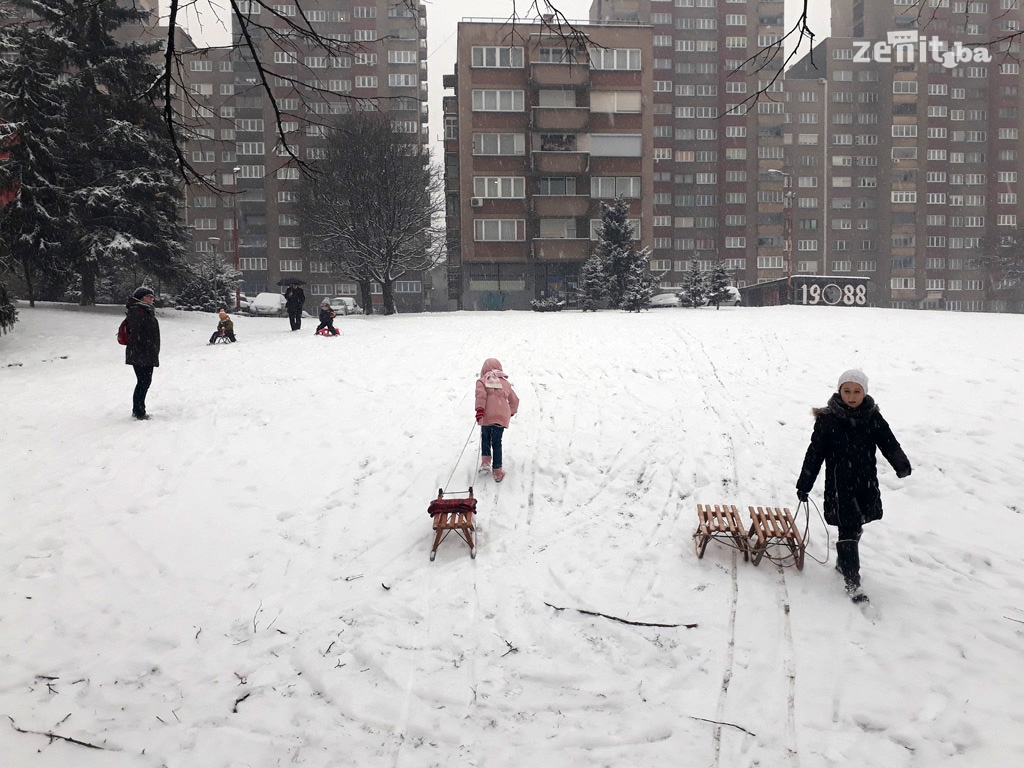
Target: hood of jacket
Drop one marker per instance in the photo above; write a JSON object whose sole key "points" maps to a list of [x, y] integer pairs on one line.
{"points": [[492, 364]]}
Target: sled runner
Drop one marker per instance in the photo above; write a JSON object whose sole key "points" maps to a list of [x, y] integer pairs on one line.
{"points": [[327, 332], [222, 337], [771, 525], [719, 522], [453, 514]]}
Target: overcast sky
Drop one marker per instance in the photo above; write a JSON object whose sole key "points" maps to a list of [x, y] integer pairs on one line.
{"points": [[443, 17]]}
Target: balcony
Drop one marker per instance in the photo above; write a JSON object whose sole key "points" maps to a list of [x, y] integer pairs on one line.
{"points": [[561, 249], [544, 74], [560, 118], [561, 162], [560, 206]]}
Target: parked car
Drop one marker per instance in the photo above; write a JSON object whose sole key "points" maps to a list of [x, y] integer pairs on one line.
{"points": [[664, 300], [270, 304], [733, 299], [345, 305]]}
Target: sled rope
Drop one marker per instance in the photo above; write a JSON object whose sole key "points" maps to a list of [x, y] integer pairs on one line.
{"points": [[461, 453]]}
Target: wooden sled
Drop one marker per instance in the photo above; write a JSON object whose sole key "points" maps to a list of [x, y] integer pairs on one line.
{"points": [[453, 515], [719, 523], [772, 525]]}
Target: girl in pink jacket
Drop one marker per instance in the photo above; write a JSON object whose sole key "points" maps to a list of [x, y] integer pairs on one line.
{"points": [[496, 404]]}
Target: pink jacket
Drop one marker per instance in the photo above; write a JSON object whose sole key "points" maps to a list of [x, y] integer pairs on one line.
{"points": [[495, 395]]}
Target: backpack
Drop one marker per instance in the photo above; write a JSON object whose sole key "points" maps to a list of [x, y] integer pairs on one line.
{"points": [[122, 333]]}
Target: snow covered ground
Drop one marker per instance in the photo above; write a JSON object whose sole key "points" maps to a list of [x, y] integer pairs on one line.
{"points": [[244, 579]]}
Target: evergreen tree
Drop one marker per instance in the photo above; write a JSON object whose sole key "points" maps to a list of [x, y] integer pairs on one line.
{"points": [[640, 283], [593, 284], [695, 286], [718, 284], [628, 281], [102, 194], [210, 284]]}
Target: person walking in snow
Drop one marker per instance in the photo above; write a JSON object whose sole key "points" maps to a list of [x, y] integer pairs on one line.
{"points": [[846, 433], [496, 404], [327, 319], [225, 325], [294, 300], [143, 349]]}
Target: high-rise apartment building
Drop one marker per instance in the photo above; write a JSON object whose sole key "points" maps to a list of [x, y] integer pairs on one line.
{"points": [[719, 191], [540, 131], [919, 119], [380, 65]]}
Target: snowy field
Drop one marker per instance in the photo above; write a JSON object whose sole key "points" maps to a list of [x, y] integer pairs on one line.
{"points": [[243, 581]]}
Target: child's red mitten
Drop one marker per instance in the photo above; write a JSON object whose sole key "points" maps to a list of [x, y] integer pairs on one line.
{"points": [[479, 415]]}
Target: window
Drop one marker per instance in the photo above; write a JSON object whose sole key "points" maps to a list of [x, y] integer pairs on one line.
{"points": [[608, 187], [557, 185], [615, 58], [366, 81], [252, 265], [505, 230], [615, 101], [493, 56], [485, 100], [616, 145], [402, 57], [403, 81], [499, 143], [408, 286], [287, 173], [291, 243], [499, 186]]}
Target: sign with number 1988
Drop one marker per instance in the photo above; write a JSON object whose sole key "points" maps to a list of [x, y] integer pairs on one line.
{"points": [[832, 294]]}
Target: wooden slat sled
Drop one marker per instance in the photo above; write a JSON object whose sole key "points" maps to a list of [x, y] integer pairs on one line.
{"points": [[772, 525], [719, 522], [453, 514]]}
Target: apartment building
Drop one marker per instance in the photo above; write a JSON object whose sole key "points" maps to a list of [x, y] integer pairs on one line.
{"points": [[383, 68], [540, 131], [943, 121], [719, 194]]}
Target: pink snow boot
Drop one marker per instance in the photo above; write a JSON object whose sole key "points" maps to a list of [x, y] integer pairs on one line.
{"points": [[499, 474], [485, 462]]}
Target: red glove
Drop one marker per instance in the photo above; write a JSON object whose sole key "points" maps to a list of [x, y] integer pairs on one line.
{"points": [[479, 415]]}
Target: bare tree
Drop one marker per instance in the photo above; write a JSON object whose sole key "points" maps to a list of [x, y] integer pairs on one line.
{"points": [[368, 204]]}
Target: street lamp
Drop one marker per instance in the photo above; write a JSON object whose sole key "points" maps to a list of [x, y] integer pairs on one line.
{"points": [[234, 181], [787, 211]]}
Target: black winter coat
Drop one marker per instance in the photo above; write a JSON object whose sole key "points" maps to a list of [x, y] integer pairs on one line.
{"points": [[845, 440], [294, 298], [143, 335]]}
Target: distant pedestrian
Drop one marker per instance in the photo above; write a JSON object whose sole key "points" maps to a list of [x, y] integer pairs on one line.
{"points": [[143, 349], [327, 319], [225, 327], [496, 404], [294, 300], [846, 433]]}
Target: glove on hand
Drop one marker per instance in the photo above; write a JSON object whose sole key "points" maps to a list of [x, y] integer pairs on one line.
{"points": [[801, 495], [904, 472], [479, 415]]}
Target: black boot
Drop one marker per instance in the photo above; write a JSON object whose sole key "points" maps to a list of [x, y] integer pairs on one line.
{"points": [[848, 564]]}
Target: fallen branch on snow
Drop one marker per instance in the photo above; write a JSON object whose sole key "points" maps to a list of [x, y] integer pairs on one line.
{"points": [[623, 621], [719, 722], [51, 736]]}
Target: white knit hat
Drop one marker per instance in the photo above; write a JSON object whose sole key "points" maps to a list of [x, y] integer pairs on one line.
{"points": [[855, 376]]}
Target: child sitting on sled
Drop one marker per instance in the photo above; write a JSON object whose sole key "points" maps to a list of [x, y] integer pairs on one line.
{"points": [[846, 433], [496, 404], [327, 319], [225, 327]]}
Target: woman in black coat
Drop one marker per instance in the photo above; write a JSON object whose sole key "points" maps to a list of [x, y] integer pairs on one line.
{"points": [[846, 433], [294, 300], [143, 349]]}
